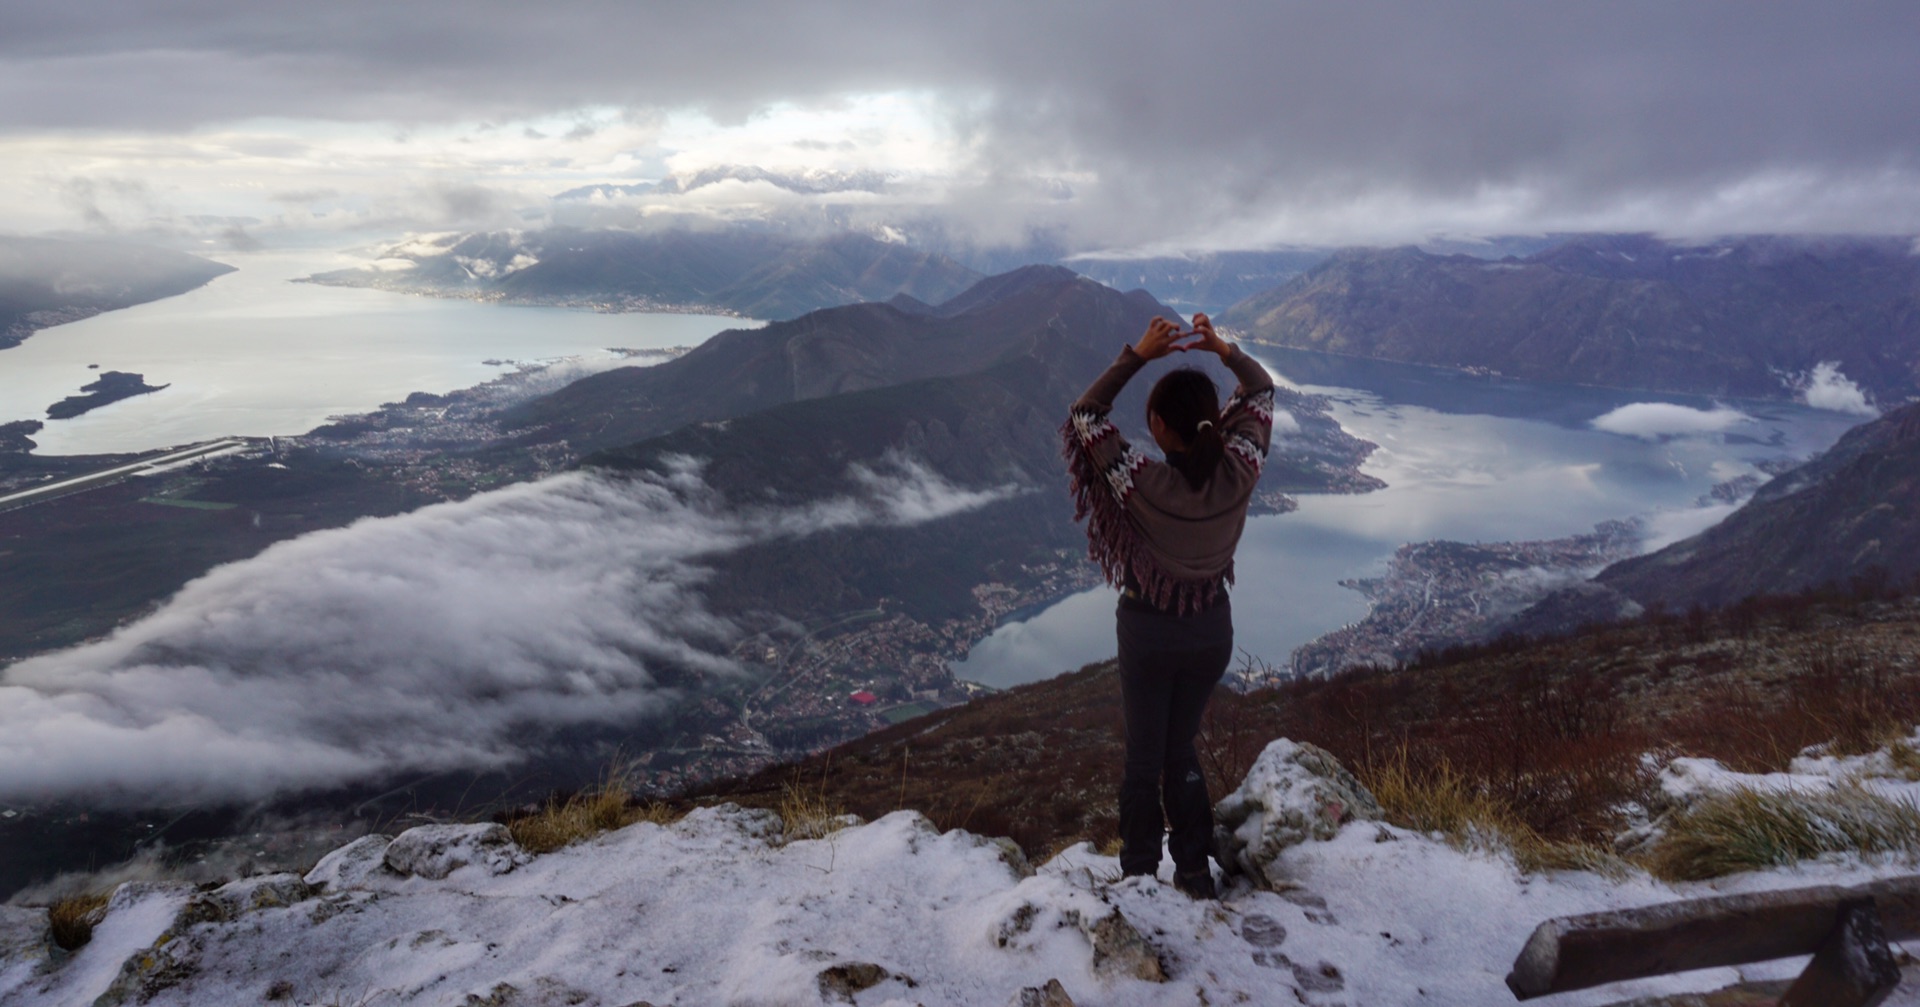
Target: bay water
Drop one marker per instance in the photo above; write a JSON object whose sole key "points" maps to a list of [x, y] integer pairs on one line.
{"points": [[1465, 458], [253, 353]]}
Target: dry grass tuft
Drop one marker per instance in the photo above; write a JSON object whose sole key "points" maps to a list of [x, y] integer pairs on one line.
{"points": [[1441, 799], [1746, 829], [808, 812], [1905, 759], [73, 918], [563, 822]]}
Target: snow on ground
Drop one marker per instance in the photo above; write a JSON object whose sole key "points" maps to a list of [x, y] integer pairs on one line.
{"points": [[715, 909], [1879, 772]]}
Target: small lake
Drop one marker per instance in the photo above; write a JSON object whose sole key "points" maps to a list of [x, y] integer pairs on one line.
{"points": [[1469, 459], [254, 354]]}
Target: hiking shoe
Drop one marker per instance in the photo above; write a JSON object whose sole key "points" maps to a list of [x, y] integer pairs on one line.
{"points": [[1197, 885]]}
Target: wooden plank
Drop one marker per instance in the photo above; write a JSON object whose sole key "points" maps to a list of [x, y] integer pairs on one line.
{"points": [[1897, 901], [1576, 952], [1854, 968]]}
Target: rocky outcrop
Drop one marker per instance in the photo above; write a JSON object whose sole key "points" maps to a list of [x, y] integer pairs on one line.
{"points": [[173, 957], [1295, 792], [435, 851], [839, 983], [351, 865], [1051, 995]]}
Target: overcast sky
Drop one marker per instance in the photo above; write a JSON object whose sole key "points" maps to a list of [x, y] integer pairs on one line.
{"points": [[1132, 124]]}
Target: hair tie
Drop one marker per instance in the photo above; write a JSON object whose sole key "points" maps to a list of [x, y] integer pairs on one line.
{"points": [[1203, 425]]}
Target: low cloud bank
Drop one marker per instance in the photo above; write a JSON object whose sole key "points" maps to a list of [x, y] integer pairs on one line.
{"points": [[1652, 421], [451, 637], [1827, 388]]}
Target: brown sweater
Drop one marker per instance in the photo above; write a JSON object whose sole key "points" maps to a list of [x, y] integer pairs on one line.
{"points": [[1146, 526]]}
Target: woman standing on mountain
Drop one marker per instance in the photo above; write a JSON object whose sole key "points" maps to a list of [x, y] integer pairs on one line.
{"points": [[1164, 533]]}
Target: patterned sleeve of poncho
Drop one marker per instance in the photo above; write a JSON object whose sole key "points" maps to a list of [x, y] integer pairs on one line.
{"points": [[1103, 466]]}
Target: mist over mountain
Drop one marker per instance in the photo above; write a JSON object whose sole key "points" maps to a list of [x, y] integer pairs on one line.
{"points": [[1752, 316], [1210, 281], [49, 281], [758, 273], [814, 182]]}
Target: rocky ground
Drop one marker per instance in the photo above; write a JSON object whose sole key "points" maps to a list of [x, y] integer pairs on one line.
{"points": [[1326, 904]]}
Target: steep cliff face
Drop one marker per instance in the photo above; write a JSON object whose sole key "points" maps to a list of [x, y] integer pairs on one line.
{"points": [[1850, 512], [1738, 317]]}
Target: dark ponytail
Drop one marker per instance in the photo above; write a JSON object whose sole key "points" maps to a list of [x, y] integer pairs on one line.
{"points": [[1188, 403]]}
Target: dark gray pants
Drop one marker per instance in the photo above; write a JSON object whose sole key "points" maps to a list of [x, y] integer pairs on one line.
{"points": [[1168, 668]]}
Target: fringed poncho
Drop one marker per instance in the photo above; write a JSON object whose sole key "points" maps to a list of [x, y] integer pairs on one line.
{"points": [[1146, 526]]}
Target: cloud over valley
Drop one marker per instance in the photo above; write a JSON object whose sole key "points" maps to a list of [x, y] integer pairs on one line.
{"points": [[1652, 421], [454, 637], [1826, 388]]}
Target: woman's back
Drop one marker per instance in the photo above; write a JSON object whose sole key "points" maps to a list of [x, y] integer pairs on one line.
{"points": [[1147, 522], [1165, 533]]}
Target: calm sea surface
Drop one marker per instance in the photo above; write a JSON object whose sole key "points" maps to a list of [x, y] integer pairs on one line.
{"points": [[254, 354], [1464, 459]]}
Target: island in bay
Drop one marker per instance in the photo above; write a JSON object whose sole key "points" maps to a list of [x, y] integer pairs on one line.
{"points": [[110, 387]]}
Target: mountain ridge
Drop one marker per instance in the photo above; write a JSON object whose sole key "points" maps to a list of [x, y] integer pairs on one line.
{"points": [[754, 273], [1852, 512], [1745, 316], [834, 351]]}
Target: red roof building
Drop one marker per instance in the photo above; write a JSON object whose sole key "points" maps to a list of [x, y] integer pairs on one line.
{"points": [[864, 698]]}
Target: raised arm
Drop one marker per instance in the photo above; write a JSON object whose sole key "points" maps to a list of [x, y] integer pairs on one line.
{"points": [[1100, 462], [1247, 420], [1088, 430], [1161, 338]]}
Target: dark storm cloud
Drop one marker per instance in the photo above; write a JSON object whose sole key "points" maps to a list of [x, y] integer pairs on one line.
{"points": [[1183, 111]]}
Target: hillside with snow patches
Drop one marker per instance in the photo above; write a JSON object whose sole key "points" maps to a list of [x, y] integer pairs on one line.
{"points": [[1327, 906]]}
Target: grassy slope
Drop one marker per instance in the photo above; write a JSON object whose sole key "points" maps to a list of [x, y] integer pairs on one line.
{"points": [[1553, 731]]}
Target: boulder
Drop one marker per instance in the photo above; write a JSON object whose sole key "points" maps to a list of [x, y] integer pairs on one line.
{"points": [[142, 916], [351, 865], [1042, 905], [1120, 951], [1294, 792], [758, 826], [840, 983], [25, 938], [1051, 995], [435, 851], [231, 900]]}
